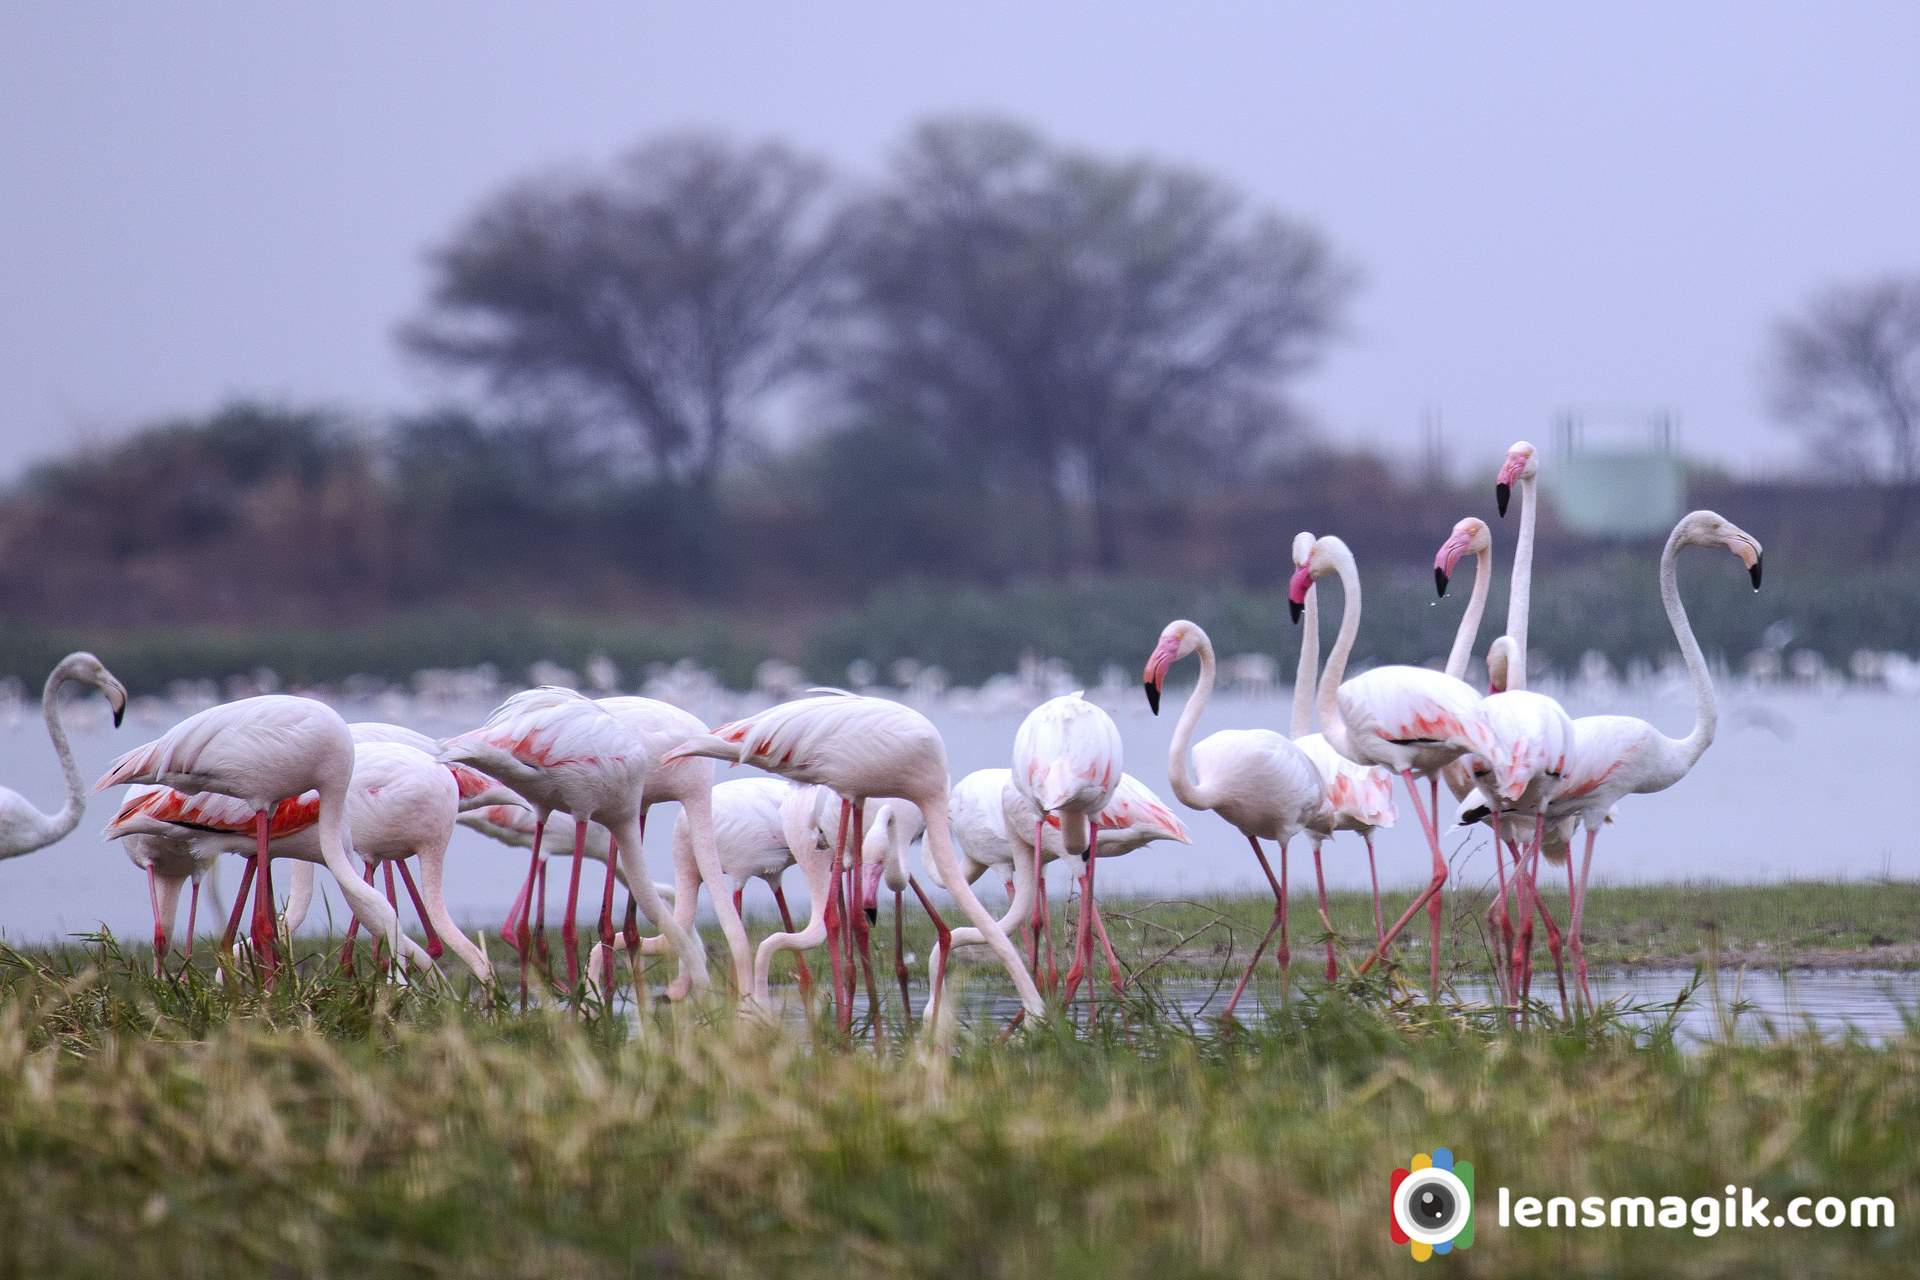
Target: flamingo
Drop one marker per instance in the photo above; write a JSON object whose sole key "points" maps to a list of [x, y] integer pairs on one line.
{"points": [[562, 751], [1410, 720], [1522, 465], [991, 817], [863, 747], [1614, 757], [23, 827], [266, 751], [402, 803], [1256, 779], [1535, 735], [1360, 798], [661, 726], [170, 860], [1067, 759]]}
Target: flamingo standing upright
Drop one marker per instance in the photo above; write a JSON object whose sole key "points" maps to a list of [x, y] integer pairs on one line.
{"points": [[564, 752], [863, 747], [23, 827], [1067, 759], [1614, 757], [991, 819], [263, 751], [1256, 779], [1359, 798], [1410, 720], [1521, 466]]}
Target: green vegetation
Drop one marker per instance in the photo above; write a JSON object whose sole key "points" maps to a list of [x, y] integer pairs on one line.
{"points": [[333, 1128]]}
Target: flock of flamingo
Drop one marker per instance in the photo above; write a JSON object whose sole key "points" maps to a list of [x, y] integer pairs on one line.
{"points": [[858, 781]]}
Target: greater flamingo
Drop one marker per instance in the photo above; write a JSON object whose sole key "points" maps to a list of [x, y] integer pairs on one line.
{"points": [[1256, 779], [23, 827], [1410, 720], [264, 751], [563, 752], [1067, 759], [862, 747], [1360, 798], [1614, 757], [402, 803], [991, 822], [1522, 466], [170, 860]]}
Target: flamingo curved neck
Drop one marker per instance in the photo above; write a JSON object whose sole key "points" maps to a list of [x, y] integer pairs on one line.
{"points": [[1469, 629], [1331, 723], [1706, 715], [1309, 668], [1520, 598], [1180, 758], [67, 818]]}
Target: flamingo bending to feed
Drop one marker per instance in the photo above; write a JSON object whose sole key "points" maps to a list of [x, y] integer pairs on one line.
{"points": [[563, 752], [1410, 720], [170, 860], [1256, 779], [1361, 798], [1067, 759], [23, 827], [401, 803], [264, 751], [991, 818], [1614, 757], [860, 748]]}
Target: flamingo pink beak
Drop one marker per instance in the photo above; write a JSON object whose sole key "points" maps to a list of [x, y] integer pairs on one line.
{"points": [[1297, 589], [870, 874], [1157, 664], [1450, 552]]}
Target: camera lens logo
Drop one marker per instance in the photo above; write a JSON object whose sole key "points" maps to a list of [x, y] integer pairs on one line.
{"points": [[1432, 1204]]}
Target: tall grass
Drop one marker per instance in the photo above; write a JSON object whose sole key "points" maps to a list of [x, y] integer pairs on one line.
{"points": [[333, 1128]]}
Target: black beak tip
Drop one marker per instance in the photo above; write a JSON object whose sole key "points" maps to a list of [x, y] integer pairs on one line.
{"points": [[1501, 493], [1153, 697], [1754, 573], [873, 915], [120, 713], [1295, 608], [1440, 582]]}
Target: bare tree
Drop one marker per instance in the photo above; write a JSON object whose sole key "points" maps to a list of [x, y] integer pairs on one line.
{"points": [[1847, 372], [1082, 322], [667, 296]]}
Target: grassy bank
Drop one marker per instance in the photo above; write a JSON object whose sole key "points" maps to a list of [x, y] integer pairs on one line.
{"points": [[329, 1128]]}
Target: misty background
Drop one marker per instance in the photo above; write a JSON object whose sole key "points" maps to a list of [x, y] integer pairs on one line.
{"points": [[1046, 325]]}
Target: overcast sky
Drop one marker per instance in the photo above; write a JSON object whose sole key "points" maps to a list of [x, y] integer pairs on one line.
{"points": [[1552, 209]]}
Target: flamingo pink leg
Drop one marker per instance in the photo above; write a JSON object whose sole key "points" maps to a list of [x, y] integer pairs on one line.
{"points": [[239, 906], [1045, 913], [515, 929], [1373, 871], [1039, 887], [1577, 918], [836, 922], [393, 904], [801, 973], [435, 947], [263, 939], [159, 929], [1498, 924], [862, 925], [1320, 879], [570, 923], [540, 918], [1279, 923], [193, 910], [1432, 893], [353, 930], [1106, 947], [1083, 929]]}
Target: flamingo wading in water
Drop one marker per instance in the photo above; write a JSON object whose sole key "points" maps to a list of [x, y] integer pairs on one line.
{"points": [[1256, 779], [1410, 720]]}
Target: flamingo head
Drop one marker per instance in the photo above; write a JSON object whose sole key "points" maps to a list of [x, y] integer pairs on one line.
{"points": [[1499, 656], [1521, 464], [1505, 770], [1711, 529], [1470, 535], [1177, 639], [88, 669], [1321, 559]]}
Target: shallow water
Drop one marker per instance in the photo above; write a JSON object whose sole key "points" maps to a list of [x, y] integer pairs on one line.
{"points": [[1871, 1004], [1760, 806]]}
